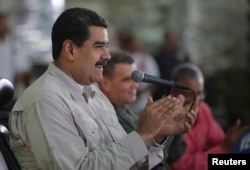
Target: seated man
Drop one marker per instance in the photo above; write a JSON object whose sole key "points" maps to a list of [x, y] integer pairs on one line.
{"points": [[63, 121], [206, 136], [121, 90]]}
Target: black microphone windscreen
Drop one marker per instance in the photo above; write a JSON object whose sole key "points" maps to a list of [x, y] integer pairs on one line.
{"points": [[137, 76]]}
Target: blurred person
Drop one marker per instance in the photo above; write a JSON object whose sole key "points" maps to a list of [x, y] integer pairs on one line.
{"points": [[206, 136], [14, 64], [63, 120], [130, 43], [168, 57], [7, 62]]}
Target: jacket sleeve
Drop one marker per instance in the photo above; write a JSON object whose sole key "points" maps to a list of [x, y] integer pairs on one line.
{"points": [[54, 142]]}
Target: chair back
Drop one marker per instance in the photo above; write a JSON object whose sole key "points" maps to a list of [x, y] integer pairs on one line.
{"points": [[6, 149], [6, 92], [7, 157]]}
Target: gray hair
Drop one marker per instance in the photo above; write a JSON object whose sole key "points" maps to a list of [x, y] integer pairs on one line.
{"points": [[187, 70]]}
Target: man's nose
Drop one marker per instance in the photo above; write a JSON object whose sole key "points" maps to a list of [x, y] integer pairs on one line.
{"points": [[134, 84], [106, 55]]}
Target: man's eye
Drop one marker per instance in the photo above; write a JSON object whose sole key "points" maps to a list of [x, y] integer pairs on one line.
{"points": [[102, 46]]}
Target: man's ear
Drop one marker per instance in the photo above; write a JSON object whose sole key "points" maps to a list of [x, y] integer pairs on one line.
{"points": [[68, 49]]}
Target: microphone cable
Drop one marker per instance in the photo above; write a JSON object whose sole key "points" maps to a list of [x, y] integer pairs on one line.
{"points": [[167, 92]]}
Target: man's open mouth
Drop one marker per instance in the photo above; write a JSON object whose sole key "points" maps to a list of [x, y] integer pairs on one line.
{"points": [[101, 63]]}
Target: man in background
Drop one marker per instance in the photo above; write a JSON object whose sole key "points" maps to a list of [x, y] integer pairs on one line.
{"points": [[167, 58], [121, 90], [206, 136], [129, 42], [14, 63]]}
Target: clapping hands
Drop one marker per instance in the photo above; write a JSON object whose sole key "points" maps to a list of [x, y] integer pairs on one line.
{"points": [[165, 117]]}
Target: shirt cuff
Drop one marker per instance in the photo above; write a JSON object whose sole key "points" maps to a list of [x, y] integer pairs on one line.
{"points": [[163, 143], [135, 145]]}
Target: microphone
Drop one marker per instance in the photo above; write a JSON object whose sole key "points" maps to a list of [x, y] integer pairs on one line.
{"points": [[139, 76]]}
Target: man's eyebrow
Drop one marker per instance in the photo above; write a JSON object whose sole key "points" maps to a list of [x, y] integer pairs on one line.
{"points": [[127, 78], [101, 43]]}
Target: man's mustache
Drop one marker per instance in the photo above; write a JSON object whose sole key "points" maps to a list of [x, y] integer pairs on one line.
{"points": [[101, 63]]}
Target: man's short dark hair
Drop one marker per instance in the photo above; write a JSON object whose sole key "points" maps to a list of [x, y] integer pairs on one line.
{"points": [[117, 57], [73, 24]]}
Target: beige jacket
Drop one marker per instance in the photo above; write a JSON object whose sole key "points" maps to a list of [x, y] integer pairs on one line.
{"points": [[52, 127]]}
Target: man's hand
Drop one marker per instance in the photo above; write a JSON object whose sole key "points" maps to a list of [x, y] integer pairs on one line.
{"points": [[154, 116], [179, 120], [232, 136]]}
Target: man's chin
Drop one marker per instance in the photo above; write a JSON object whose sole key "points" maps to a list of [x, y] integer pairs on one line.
{"points": [[132, 100], [97, 78]]}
